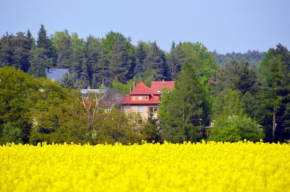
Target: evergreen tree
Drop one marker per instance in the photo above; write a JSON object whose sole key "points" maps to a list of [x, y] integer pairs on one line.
{"points": [[92, 50], [29, 40], [68, 81], [84, 80], [42, 40], [6, 50], [186, 109], [119, 63], [39, 62], [75, 67], [176, 59], [21, 52], [141, 55], [101, 71], [237, 76], [274, 71], [156, 61], [77, 50], [44, 43]]}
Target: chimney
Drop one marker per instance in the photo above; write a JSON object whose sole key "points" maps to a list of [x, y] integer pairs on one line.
{"points": [[89, 87], [134, 84], [162, 80]]}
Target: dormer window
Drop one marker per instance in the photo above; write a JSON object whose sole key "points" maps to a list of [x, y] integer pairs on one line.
{"points": [[139, 97]]}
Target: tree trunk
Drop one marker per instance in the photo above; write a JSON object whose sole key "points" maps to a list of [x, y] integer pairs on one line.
{"points": [[274, 126]]}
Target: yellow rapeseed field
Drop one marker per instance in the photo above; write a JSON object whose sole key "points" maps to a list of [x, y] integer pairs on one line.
{"points": [[242, 166]]}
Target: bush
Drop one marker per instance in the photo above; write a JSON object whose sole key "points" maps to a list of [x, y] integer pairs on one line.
{"points": [[236, 128]]}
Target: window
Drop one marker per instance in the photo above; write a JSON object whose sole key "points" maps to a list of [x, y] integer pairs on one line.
{"points": [[139, 109], [146, 98], [153, 109], [139, 97], [133, 97]]}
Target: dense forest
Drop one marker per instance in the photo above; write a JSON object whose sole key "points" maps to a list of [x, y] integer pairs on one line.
{"points": [[100, 61], [252, 57], [243, 96]]}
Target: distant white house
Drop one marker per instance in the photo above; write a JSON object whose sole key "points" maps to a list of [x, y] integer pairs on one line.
{"points": [[55, 74]]}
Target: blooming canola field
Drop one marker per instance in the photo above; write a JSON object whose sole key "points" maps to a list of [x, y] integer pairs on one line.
{"points": [[242, 166]]}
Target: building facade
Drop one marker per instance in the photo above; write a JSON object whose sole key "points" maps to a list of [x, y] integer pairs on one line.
{"points": [[142, 100]]}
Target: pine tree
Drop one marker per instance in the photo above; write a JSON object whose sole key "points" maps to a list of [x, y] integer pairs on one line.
{"points": [[92, 50], [155, 60], [6, 50], [140, 57], [84, 80], [101, 70], [75, 67], [39, 62], [44, 42], [29, 40], [186, 108], [119, 63], [176, 60], [21, 52], [274, 71]]}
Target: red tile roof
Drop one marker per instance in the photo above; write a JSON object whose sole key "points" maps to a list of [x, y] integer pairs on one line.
{"points": [[142, 89], [158, 85]]}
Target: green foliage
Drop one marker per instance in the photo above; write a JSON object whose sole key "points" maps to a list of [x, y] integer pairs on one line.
{"points": [[44, 42], [237, 76], [15, 99], [185, 109], [275, 78], [286, 119], [141, 54], [235, 88], [125, 88], [101, 70], [235, 128], [111, 38], [119, 62], [11, 134], [39, 62], [201, 59], [232, 104], [156, 61], [61, 43], [148, 76], [252, 57], [162, 108], [151, 130], [175, 60]]}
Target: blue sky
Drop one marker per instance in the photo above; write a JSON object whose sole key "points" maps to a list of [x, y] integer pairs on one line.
{"points": [[221, 25]]}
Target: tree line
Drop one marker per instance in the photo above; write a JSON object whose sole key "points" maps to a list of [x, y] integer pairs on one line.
{"points": [[253, 57], [99, 61], [240, 99]]}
